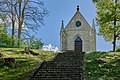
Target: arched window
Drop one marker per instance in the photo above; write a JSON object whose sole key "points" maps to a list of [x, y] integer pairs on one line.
{"points": [[78, 38]]}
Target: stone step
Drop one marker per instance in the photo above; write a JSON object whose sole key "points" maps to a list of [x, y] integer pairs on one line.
{"points": [[57, 78], [65, 66], [62, 55], [71, 54], [59, 63], [62, 67], [60, 70], [69, 58], [57, 75]]}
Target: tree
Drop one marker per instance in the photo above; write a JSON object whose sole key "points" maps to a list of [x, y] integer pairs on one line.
{"points": [[29, 13], [108, 18], [4, 37], [7, 8], [32, 43]]}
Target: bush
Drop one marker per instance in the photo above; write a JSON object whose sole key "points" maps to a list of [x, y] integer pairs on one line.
{"points": [[7, 46], [118, 49]]}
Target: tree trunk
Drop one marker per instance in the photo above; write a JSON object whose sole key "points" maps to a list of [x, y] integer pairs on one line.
{"points": [[13, 24], [20, 26], [19, 37], [115, 20], [13, 27], [21, 19], [114, 43]]}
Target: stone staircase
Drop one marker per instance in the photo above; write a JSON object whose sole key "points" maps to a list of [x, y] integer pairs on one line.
{"points": [[65, 66]]}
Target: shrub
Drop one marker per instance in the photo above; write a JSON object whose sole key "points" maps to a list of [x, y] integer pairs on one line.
{"points": [[7, 46], [118, 49]]}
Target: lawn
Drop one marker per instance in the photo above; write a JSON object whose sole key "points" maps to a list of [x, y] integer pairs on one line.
{"points": [[24, 63], [102, 66]]}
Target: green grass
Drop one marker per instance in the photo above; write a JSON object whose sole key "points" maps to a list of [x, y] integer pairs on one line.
{"points": [[25, 63], [102, 66], [98, 65]]}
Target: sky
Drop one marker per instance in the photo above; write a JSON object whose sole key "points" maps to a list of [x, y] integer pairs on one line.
{"points": [[64, 10]]}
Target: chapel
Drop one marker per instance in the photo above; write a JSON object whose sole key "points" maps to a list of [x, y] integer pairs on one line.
{"points": [[78, 35]]}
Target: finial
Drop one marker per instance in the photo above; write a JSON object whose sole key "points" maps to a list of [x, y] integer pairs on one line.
{"points": [[93, 22], [77, 7], [93, 25], [62, 26], [62, 21]]}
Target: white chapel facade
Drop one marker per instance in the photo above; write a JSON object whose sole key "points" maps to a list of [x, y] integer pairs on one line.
{"points": [[78, 35]]}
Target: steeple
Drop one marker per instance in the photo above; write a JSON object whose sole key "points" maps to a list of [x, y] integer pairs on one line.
{"points": [[62, 26], [93, 25], [77, 7]]}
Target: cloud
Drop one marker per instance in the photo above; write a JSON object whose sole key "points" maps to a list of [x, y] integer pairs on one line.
{"points": [[50, 47]]}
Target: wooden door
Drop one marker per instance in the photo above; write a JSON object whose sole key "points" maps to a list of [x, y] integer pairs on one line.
{"points": [[78, 45]]}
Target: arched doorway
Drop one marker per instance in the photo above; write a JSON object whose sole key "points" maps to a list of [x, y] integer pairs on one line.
{"points": [[78, 44]]}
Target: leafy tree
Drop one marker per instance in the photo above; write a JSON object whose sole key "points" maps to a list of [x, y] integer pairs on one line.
{"points": [[33, 43], [108, 18], [7, 8], [4, 22], [26, 13], [4, 37]]}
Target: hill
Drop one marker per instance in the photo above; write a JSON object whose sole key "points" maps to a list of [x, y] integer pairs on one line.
{"points": [[24, 63], [98, 65], [102, 66]]}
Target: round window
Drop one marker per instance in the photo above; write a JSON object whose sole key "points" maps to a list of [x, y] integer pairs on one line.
{"points": [[78, 24]]}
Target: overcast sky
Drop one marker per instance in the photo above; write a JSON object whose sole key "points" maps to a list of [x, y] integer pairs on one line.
{"points": [[64, 10]]}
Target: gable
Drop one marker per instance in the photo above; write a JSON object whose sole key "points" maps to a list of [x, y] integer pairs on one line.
{"points": [[80, 26]]}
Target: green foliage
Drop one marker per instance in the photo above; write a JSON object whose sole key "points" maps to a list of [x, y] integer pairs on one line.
{"points": [[102, 66], [33, 43], [4, 37], [24, 65], [7, 46], [4, 22], [108, 19], [118, 49], [107, 12]]}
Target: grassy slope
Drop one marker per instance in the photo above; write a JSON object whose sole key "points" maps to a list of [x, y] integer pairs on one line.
{"points": [[98, 65], [102, 66], [25, 63]]}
